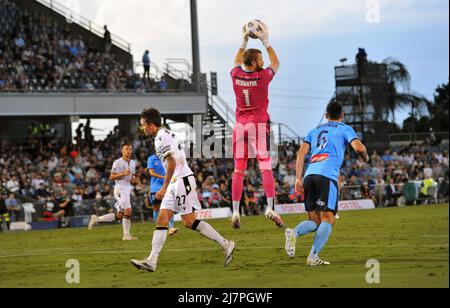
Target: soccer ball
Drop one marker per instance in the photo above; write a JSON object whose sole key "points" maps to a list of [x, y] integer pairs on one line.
{"points": [[253, 27]]}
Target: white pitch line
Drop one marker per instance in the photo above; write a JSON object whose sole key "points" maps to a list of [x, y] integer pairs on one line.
{"points": [[40, 254]]}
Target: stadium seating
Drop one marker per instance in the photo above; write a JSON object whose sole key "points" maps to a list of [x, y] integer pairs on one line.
{"points": [[47, 58]]}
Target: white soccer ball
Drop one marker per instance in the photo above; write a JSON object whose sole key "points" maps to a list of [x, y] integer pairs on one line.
{"points": [[253, 27]]}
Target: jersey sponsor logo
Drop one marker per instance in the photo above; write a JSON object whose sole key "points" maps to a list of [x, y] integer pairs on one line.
{"points": [[320, 203], [319, 158]]}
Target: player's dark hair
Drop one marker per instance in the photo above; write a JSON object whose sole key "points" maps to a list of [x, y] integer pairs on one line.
{"points": [[126, 144], [251, 55], [152, 116], [334, 110]]}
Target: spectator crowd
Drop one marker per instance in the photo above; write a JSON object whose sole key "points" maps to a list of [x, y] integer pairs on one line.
{"points": [[72, 178], [39, 55]]}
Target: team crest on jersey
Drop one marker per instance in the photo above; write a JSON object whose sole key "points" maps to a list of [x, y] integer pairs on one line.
{"points": [[319, 158]]}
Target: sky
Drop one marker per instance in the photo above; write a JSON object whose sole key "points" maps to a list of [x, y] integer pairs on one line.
{"points": [[310, 37]]}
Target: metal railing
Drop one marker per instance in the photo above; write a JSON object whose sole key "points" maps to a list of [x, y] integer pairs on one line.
{"points": [[179, 69], [224, 110], [286, 137], [155, 72], [85, 23]]}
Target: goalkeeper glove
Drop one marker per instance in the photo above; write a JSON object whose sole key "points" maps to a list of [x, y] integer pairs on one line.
{"points": [[244, 38], [263, 35]]}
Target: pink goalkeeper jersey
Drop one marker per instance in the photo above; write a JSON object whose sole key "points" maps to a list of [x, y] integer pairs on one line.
{"points": [[252, 94]]}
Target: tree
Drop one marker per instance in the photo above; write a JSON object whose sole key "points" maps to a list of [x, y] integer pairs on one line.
{"points": [[399, 77], [439, 109]]}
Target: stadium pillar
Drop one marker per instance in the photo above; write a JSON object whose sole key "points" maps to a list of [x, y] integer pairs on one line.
{"points": [[195, 46]]}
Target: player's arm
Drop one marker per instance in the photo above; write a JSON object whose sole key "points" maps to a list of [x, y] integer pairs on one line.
{"points": [[264, 37], [360, 149], [274, 61], [153, 174], [239, 59], [304, 150], [171, 165], [115, 176]]}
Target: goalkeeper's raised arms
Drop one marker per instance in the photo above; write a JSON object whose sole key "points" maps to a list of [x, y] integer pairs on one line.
{"points": [[263, 35], [239, 59]]}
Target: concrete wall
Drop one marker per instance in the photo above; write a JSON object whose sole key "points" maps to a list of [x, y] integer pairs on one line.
{"points": [[100, 105]]}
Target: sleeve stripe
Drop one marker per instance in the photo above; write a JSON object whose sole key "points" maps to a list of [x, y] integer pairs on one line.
{"points": [[274, 73], [307, 142], [167, 154], [354, 140]]}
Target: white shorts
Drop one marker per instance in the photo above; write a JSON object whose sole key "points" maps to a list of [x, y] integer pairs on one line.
{"points": [[181, 197], [122, 196]]}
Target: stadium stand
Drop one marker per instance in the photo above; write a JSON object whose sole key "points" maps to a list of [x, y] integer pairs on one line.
{"points": [[38, 55]]}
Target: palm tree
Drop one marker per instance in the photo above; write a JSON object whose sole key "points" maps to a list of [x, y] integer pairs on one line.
{"points": [[399, 77]]}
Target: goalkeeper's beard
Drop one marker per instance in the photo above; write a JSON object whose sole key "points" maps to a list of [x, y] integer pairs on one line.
{"points": [[259, 69]]}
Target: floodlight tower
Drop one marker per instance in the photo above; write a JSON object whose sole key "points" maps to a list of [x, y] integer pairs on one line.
{"points": [[195, 45]]}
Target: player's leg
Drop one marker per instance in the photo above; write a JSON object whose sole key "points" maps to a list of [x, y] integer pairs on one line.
{"points": [[237, 188], [210, 233], [111, 217], [328, 206], [158, 241], [126, 220], [240, 154], [187, 187], [307, 226], [172, 229], [155, 215], [126, 225], [265, 165]]}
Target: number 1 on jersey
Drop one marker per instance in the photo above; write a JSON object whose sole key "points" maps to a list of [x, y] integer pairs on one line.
{"points": [[247, 97]]}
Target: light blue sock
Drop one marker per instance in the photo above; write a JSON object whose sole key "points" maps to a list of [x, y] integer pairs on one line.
{"points": [[155, 216], [305, 227], [171, 223], [322, 236]]}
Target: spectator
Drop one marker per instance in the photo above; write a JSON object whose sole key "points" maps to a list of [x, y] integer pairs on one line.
{"points": [[13, 207], [163, 84], [13, 185], [19, 41], [4, 214], [290, 179], [392, 193], [77, 200], [427, 171], [365, 191], [107, 39], [146, 62], [214, 198], [380, 190]]}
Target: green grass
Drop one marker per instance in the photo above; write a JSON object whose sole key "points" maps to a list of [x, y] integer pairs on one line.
{"points": [[411, 245]]}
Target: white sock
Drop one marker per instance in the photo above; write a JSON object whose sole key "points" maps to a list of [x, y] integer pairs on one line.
{"points": [[236, 207], [270, 204], [107, 218], [159, 238], [126, 224], [207, 231]]}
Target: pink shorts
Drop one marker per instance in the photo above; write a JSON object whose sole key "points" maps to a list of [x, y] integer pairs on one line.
{"points": [[251, 141]]}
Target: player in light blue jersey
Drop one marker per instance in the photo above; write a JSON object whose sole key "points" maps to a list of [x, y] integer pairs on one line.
{"points": [[327, 145], [157, 176]]}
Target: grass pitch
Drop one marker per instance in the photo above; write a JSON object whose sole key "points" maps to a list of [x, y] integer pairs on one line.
{"points": [[411, 245]]}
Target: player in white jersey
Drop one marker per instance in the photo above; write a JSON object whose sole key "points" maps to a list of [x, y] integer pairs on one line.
{"points": [[123, 173], [178, 194]]}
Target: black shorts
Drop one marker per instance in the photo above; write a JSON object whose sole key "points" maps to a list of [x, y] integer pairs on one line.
{"points": [[321, 194]]}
